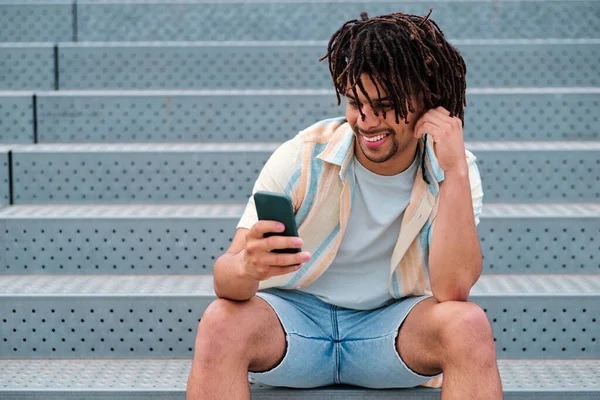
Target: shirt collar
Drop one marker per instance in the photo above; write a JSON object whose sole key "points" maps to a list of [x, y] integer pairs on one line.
{"points": [[340, 151]]}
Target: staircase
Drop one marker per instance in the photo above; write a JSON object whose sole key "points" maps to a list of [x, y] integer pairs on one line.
{"points": [[132, 132]]}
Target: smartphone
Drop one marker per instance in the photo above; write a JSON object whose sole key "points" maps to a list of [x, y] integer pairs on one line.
{"points": [[273, 206]]}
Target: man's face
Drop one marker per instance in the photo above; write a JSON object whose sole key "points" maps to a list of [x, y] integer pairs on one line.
{"points": [[381, 140]]}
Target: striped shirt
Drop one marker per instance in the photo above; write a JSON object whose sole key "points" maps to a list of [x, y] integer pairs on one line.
{"points": [[315, 171]]}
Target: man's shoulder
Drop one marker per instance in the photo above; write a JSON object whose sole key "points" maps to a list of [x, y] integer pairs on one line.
{"points": [[323, 131]]}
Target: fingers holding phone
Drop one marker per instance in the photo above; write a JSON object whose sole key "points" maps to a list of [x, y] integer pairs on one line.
{"points": [[259, 259], [272, 245]]}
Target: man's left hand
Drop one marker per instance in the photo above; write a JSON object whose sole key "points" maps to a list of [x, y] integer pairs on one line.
{"points": [[447, 135]]}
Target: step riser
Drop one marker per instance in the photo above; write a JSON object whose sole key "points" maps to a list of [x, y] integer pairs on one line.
{"points": [[191, 245], [139, 66], [167, 326], [282, 67], [190, 118], [311, 20], [186, 177], [21, 22]]}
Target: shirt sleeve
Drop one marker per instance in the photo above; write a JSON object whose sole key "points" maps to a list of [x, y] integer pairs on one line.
{"points": [[476, 186], [476, 192], [274, 177]]}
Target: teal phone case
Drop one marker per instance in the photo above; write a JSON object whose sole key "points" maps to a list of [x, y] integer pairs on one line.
{"points": [[272, 206]]}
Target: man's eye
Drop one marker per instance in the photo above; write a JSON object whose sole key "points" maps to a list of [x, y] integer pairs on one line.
{"points": [[385, 107], [352, 104]]}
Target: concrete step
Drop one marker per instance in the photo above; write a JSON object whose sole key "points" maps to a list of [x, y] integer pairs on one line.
{"points": [[277, 115], [78, 316], [183, 239], [166, 379], [225, 172]]}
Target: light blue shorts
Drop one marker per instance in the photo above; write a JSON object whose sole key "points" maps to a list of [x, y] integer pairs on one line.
{"points": [[329, 345]]}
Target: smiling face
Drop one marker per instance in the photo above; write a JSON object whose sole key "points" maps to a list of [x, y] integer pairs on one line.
{"points": [[382, 145]]}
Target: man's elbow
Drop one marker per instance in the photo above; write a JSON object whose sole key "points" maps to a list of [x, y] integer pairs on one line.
{"points": [[457, 290], [442, 295]]}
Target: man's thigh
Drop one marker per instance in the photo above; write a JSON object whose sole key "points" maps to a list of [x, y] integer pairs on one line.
{"points": [[435, 334], [367, 346], [308, 359]]}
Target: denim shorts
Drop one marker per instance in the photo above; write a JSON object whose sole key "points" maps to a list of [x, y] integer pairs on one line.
{"points": [[329, 345]]}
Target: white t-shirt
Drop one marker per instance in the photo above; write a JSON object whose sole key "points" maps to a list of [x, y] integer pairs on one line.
{"points": [[359, 276]]}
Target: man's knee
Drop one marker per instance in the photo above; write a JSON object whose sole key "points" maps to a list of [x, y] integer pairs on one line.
{"points": [[234, 328], [465, 330], [223, 328]]}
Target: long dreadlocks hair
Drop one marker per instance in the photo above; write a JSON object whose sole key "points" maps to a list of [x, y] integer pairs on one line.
{"points": [[402, 54]]}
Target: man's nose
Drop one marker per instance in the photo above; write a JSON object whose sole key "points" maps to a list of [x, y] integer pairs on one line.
{"points": [[370, 120]]}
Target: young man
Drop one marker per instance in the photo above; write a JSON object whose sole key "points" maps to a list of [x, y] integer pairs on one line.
{"points": [[387, 201]]}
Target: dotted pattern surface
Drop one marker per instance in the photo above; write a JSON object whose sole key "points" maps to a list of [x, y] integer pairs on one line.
{"points": [[27, 67], [318, 20], [180, 117], [558, 116], [100, 317], [172, 375], [120, 246], [47, 21], [296, 66], [161, 174], [188, 238], [544, 329], [16, 118], [146, 66], [540, 245], [540, 176], [277, 116]]}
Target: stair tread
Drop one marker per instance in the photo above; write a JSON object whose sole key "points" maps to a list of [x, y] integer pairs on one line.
{"points": [[67, 211], [202, 285], [171, 375]]}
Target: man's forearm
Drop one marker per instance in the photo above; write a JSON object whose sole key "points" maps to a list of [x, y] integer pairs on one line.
{"points": [[455, 255], [228, 283]]}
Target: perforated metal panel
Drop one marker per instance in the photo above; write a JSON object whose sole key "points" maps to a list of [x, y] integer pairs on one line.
{"points": [[540, 245], [27, 67], [16, 117], [317, 20], [141, 379], [234, 116], [225, 173], [527, 115], [180, 116], [118, 239], [100, 327], [42, 21], [544, 329], [189, 66], [187, 239], [295, 65], [534, 65], [137, 174], [156, 316], [539, 172]]}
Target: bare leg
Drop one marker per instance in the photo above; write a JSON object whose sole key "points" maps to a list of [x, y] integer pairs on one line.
{"points": [[456, 338], [233, 338]]}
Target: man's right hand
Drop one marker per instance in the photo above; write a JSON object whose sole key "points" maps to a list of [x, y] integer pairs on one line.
{"points": [[259, 263]]}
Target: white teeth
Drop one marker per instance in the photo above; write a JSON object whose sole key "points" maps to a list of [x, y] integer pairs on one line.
{"points": [[374, 138]]}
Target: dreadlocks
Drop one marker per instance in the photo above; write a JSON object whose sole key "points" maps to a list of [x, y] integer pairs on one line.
{"points": [[402, 54]]}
